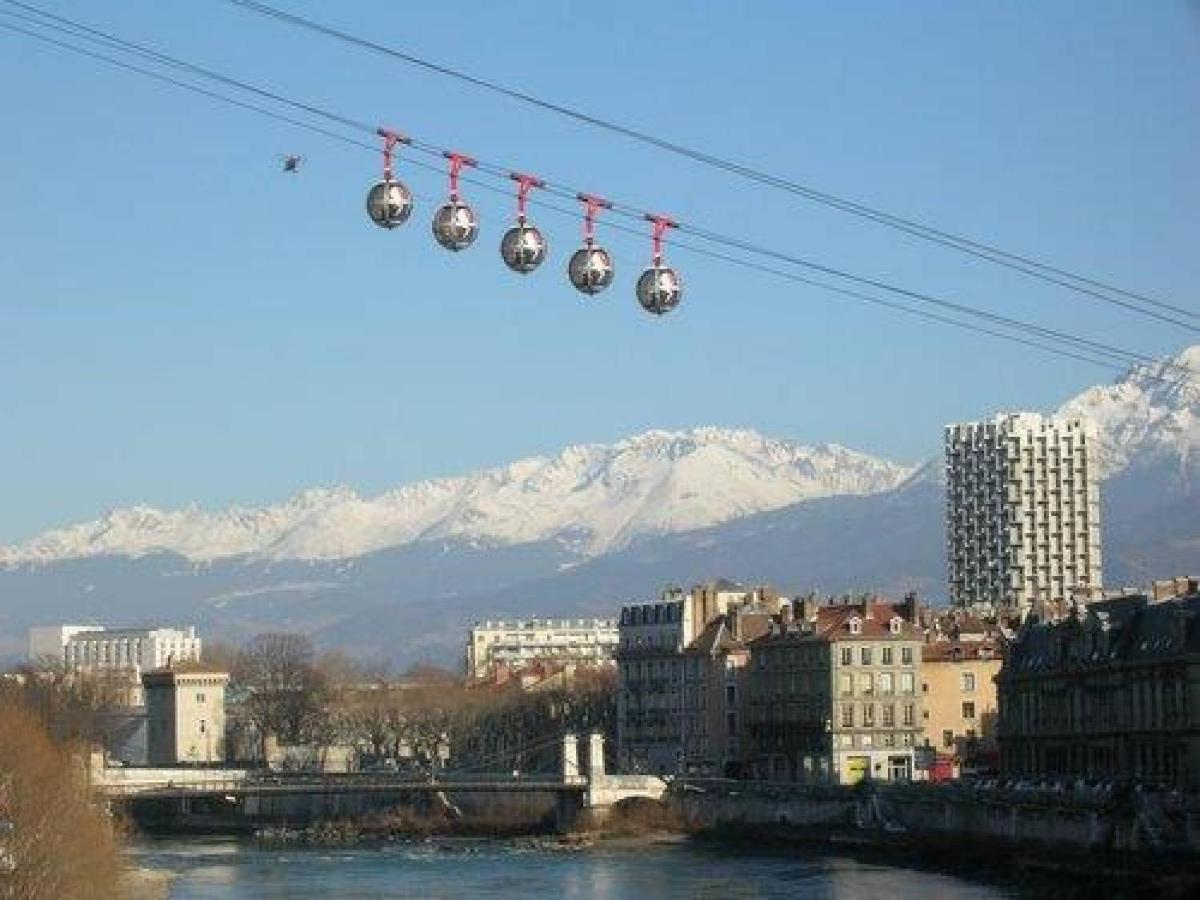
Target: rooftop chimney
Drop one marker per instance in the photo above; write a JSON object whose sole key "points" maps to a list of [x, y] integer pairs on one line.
{"points": [[808, 609]]}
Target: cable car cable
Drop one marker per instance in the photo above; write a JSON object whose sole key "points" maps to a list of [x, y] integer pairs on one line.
{"points": [[1125, 357], [1027, 265], [1115, 355]]}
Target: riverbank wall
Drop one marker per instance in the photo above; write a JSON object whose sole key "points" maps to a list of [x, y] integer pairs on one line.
{"points": [[1132, 822], [1068, 845]]}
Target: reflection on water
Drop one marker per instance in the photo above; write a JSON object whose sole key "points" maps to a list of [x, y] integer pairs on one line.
{"points": [[219, 869]]}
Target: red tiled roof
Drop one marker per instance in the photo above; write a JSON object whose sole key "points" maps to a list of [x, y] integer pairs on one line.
{"points": [[833, 624]]}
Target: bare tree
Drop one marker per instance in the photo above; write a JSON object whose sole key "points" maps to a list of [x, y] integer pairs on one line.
{"points": [[221, 655], [287, 694], [72, 706]]}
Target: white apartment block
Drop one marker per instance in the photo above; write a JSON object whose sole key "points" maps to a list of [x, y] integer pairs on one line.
{"points": [[47, 642], [519, 643], [1022, 512], [97, 648]]}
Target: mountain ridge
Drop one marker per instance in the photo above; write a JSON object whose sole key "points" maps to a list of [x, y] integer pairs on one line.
{"points": [[592, 497]]}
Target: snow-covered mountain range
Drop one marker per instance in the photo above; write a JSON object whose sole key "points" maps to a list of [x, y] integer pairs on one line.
{"points": [[592, 498], [402, 574]]}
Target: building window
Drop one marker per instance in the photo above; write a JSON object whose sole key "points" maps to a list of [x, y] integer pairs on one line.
{"points": [[887, 683], [948, 739], [865, 686], [865, 656], [847, 656], [855, 625], [845, 685], [906, 656], [869, 715], [895, 625], [906, 682], [200, 698], [847, 715], [889, 716], [968, 710], [730, 695], [731, 723], [887, 656], [910, 714], [968, 681]]}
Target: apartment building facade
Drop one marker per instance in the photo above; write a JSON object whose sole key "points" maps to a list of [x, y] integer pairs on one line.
{"points": [[714, 678], [100, 648], [519, 644], [661, 696], [833, 694], [1111, 692], [958, 693], [1022, 513]]}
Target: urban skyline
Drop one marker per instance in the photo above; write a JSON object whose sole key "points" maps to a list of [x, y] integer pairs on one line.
{"points": [[531, 450]]}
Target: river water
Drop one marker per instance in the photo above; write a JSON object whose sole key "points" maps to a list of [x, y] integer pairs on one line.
{"points": [[224, 869]]}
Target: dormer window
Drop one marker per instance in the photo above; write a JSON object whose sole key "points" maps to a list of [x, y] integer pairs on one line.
{"points": [[855, 624], [895, 624]]}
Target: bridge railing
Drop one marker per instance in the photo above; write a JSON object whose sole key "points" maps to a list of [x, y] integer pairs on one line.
{"points": [[185, 782]]}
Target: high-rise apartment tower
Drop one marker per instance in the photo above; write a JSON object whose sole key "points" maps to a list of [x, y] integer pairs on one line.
{"points": [[1022, 513]]}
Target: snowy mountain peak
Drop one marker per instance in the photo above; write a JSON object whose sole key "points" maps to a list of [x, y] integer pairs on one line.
{"points": [[1152, 415], [1174, 381], [591, 498]]}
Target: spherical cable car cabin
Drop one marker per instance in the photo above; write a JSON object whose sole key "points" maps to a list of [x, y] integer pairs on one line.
{"points": [[389, 202], [455, 225], [523, 247], [590, 268]]}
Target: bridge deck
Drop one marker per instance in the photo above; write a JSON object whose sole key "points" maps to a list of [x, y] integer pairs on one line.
{"points": [[183, 787]]}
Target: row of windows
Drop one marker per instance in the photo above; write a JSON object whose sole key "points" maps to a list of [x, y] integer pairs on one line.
{"points": [[869, 741], [870, 715], [866, 656], [867, 684]]}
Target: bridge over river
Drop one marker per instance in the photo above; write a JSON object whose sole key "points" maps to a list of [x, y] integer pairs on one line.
{"points": [[588, 788]]}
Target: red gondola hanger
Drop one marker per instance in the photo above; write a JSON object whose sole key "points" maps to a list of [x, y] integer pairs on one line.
{"points": [[390, 140], [525, 183], [458, 162], [661, 224], [592, 206]]}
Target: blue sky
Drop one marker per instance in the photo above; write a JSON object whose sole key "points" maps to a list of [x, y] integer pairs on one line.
{"points": [[180, 322]]}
